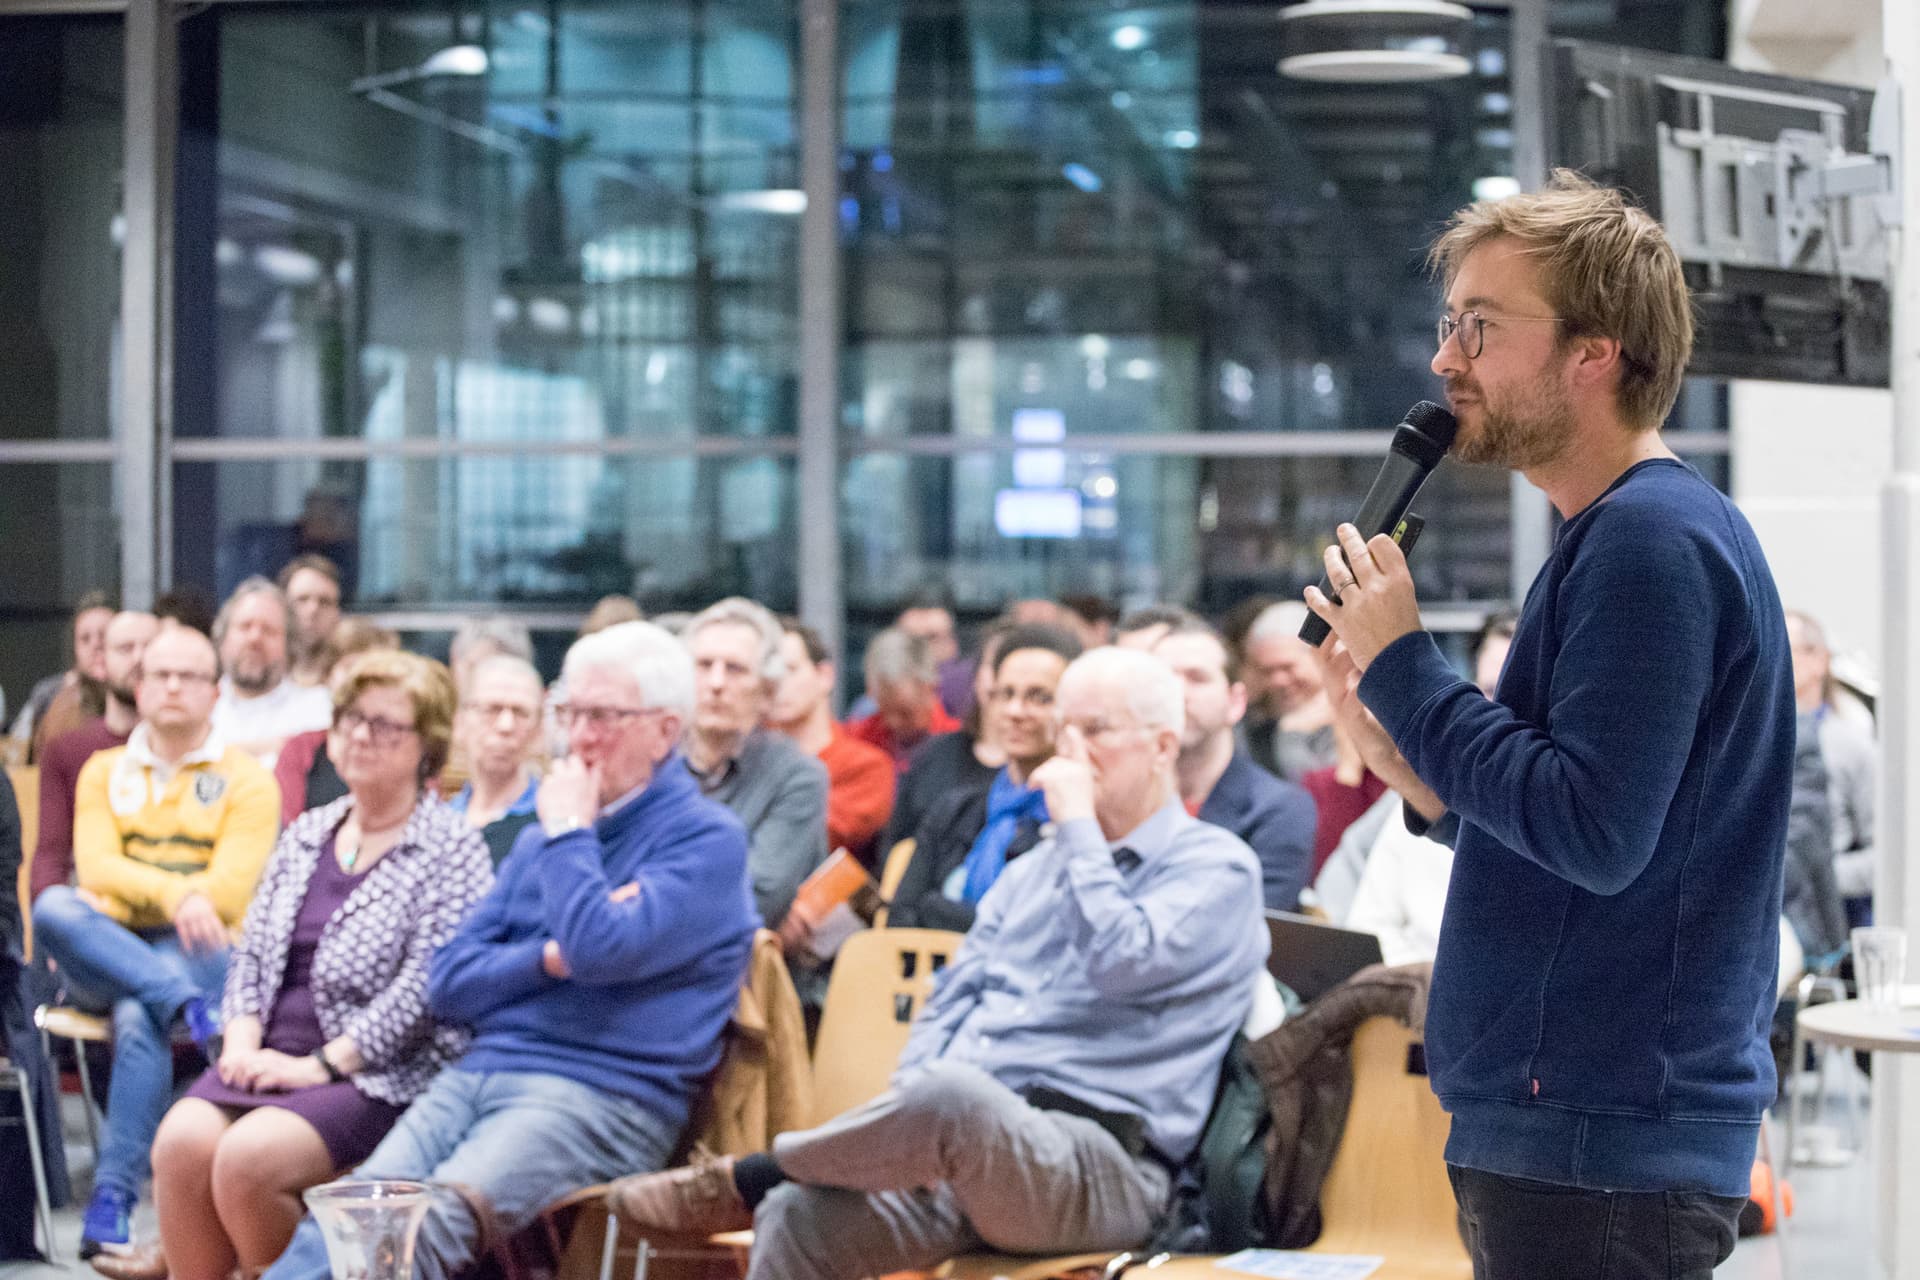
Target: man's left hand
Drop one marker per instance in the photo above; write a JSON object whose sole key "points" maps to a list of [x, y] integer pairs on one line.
{"points": [[198, 925], [1377, 604]]}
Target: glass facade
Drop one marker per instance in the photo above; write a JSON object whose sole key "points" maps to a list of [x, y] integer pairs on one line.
{"points": [[499, 304]]}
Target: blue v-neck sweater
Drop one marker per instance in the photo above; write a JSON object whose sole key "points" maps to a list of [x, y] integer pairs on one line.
{"points": [[1606, 971], [655, 977]]}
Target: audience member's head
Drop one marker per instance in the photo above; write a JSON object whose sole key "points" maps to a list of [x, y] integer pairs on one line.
{"points": [[1144, 628], [1092, 618], [807, 688], [500, 716], [609, 611], [127, 637], [1234, 625], [91, 614], [1026, 674], [902, 681], [1124, 709], [179, 683], [1215, 698], [350, 638], [251, 632], [932, 620], [1286, 664], [312, 586], [630, 694], [188, 606], [735, 646], [1490, 645], [482, 637], [392, 721], [980, 716], [1036, 612], [1812, 661]]}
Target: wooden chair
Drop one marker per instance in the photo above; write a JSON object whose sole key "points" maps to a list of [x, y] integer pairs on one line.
{"points": [[1387, 1193], [891, 872]]}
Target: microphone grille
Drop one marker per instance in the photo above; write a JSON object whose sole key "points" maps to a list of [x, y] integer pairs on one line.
{"points": [[1433, 422]]}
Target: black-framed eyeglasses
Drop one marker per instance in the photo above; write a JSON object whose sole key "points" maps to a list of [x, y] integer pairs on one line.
{"points": [[383, 732], [1471, 327]]}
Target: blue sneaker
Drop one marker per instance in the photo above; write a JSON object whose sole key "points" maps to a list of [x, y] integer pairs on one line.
{"points": [[203, 1025], [108, 1224]]}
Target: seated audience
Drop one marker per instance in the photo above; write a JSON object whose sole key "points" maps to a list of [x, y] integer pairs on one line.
{"points": [[1144, 628], [188, 606], [610, 611], [62, 703], [480, 638], [169, 835], [967, 839], [1338, 881], [596, 977], [312, 587], [304, 769], [1810, 893], [1219, 781], [777, 790], [1847, 749], [900, 679], [860, 777], [1402, 891], [1342, 792], [930, 617], [1067, 1060], [66, 755], [1093, 619], [259, 706], [967, 758], [1490, 648], [500, 723], [326, 1036], [1291, 732]]}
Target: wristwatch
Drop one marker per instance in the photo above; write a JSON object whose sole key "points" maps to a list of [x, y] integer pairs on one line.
{"points": [[334, 1074], [566, 827]]}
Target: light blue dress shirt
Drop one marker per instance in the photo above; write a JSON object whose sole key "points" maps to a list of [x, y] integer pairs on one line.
{"points": [[1116, 972]]}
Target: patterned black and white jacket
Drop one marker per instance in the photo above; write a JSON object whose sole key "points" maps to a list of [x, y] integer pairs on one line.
{"points": [[370, 966]]}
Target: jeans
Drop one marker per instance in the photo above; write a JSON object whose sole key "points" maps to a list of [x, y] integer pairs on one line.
{"points": [[512, 1142], [141, 978], [1518, 1229]]}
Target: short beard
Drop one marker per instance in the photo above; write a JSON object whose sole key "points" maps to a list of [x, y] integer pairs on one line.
{"points": [[1530, 426], [256, 681]]}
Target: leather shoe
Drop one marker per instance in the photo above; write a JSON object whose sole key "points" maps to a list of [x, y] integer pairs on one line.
{"points": [[699, 1199]]}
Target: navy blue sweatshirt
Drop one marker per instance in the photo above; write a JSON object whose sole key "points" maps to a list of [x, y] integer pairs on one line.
{"points": [[1607, 959], [655, 977]]}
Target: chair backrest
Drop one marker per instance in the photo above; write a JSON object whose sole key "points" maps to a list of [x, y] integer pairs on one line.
{"points": [[26, 795], [1387, 1192], [891, 872], [881, 978]]}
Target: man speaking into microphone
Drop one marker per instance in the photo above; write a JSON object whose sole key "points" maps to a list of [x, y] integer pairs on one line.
{"points": [[1606, 970]]}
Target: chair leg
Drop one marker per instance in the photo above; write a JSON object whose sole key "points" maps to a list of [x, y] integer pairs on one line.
{"points": [[642, 1255], [31, 1122], [1774, 1191], [609, 1247], [1793, 1090], [86, 1097]]}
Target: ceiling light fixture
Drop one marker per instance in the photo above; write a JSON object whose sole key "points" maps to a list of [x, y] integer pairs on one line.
{"points": [[456, 61], [1375, 41]]}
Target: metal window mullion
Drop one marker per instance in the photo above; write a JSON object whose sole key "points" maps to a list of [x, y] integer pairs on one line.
{"points": [[817, 503], [146, 280]]}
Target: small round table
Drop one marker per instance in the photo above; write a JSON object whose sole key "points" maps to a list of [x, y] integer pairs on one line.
{"points": [[1850, 1024]]}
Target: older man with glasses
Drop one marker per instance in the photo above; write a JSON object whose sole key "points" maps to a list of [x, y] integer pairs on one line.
{"points": [[1062, 1070], [596, 977], [170, 833]]}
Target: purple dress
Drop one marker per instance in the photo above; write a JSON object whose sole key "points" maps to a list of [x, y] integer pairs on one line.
{"points": [[349, 1122]]}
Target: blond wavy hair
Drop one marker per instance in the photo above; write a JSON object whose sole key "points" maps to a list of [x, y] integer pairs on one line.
{"points": [[427, 683], [1606, 268]]}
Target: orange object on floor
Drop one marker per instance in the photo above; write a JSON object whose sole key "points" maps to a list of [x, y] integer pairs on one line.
{"points": [[1762, 1195]]}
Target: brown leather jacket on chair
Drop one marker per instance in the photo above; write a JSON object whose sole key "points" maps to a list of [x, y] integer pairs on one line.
{"points": [[764, 1085], [1307, 1079]]}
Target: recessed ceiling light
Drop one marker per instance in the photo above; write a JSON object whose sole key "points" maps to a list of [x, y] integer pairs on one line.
{"points": [[1130, 37]]}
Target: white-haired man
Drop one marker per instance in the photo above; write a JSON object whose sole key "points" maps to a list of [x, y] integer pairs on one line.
{"points": [[1291, 733], [597, 975], [1067, 1059], [775, 788]]}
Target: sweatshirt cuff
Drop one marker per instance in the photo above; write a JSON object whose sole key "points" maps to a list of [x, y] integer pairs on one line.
{"points": [[1401, 679]]}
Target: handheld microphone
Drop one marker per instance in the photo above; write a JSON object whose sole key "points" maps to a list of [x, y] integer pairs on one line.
{"points": [[1419, 443]]}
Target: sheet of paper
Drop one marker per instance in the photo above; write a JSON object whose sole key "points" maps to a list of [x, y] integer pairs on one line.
{"points": [[1282, 1264], [828, 935]]}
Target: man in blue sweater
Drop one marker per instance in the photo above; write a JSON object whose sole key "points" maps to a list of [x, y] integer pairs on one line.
{"points": [[1605, 979], [597, 976]]}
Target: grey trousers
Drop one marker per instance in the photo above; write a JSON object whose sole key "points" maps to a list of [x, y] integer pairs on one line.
{"points": [[950, 1163]]}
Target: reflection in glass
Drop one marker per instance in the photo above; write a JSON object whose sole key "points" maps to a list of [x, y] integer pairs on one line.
{"points": [[61, 527], [674, 532]]}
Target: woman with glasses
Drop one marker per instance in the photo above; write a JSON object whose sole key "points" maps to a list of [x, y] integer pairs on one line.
{"points": [[327, 1036], [501, 718]]}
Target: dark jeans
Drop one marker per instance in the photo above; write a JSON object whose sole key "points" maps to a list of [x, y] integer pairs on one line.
{"points": [[1517, 1229]]}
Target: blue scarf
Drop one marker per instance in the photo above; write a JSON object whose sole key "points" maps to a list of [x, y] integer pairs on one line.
{"points": [[1008, 805]]}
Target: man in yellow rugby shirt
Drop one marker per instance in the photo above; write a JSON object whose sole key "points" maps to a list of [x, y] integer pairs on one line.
{"points": [[170, 832]]}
